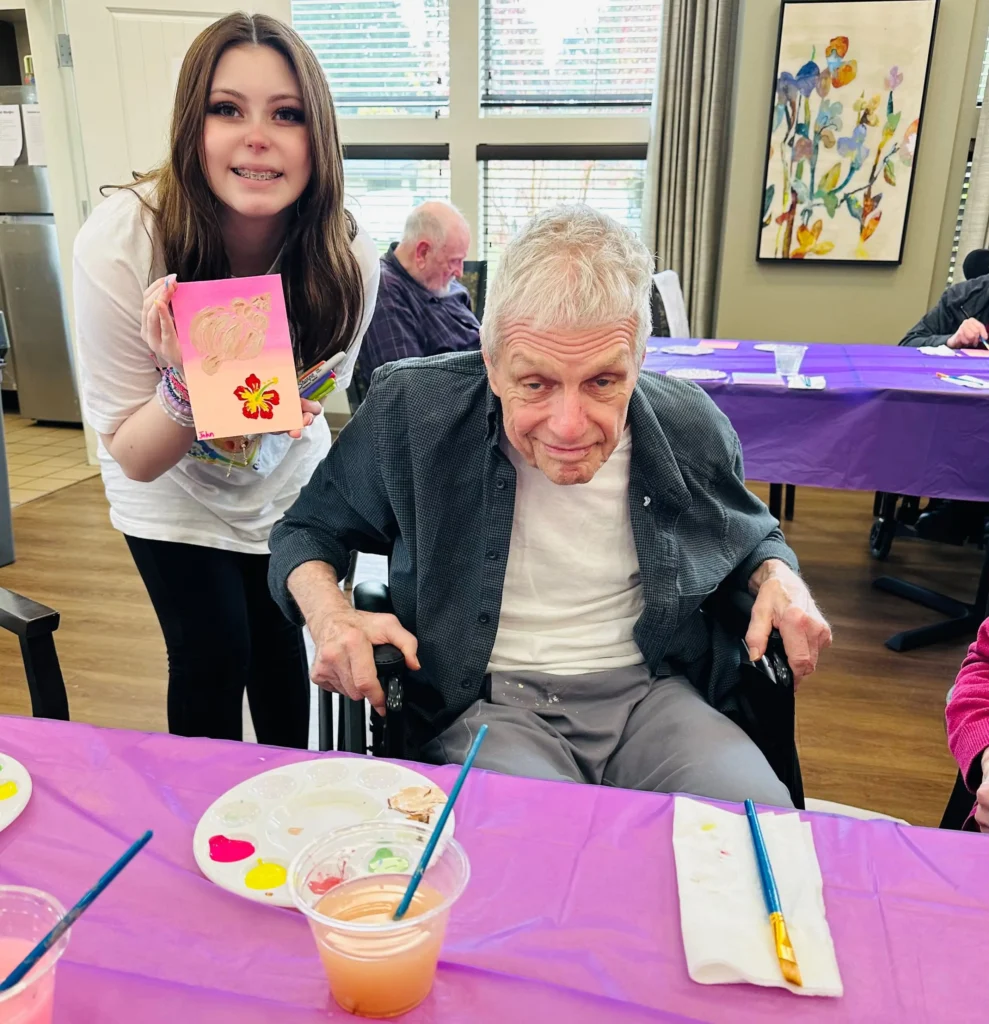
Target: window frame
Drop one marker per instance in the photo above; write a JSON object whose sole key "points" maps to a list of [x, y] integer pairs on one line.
{"points": [[468, 127]]}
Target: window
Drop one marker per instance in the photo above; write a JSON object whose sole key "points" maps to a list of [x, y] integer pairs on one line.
{"points": [[381, 56], [952, 266], [515, 187], [569, 54], [382, 187]]}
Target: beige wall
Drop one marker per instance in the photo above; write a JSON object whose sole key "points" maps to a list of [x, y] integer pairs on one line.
{"points": [[848, 304]]}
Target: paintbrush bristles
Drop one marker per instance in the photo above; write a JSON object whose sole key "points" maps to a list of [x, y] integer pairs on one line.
{"points": [[784, 951]]}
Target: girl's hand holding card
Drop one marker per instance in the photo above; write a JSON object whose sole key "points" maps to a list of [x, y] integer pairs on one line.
{"points": [[157, 326]]}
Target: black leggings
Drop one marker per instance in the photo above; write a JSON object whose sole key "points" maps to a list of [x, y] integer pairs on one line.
{"points": [[223, 632]]}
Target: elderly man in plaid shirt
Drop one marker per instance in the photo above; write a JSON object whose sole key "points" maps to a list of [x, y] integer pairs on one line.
{"points": [[422, 309], [555, 520]]}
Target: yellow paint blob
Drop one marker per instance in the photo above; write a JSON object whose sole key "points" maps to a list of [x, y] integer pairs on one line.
{"points": [[265, 875], [7, 790], [710, 827]]}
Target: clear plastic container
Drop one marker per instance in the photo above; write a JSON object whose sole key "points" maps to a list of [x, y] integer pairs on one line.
{"points": [[26, 917], [789, 358], [348, 885]]}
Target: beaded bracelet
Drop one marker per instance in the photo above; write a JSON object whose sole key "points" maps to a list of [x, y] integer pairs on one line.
{"points": [[177, 410], [175, 384]]}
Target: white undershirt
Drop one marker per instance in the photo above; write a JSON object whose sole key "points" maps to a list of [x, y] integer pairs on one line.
{"points": [[572, 593], [196, 501]]}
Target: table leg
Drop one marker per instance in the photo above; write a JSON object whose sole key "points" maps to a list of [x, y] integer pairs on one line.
{"points": [[776, 500], [963, 619], [791, 498]]}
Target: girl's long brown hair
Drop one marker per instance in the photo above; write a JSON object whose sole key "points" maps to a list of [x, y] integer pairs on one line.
{"points": [[324, 292]]}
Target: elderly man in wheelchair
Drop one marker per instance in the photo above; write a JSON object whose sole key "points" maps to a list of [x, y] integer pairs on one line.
{"points": [[562, 530]]}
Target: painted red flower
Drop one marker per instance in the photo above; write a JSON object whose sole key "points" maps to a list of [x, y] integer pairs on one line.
{"points": [[258, 398]]}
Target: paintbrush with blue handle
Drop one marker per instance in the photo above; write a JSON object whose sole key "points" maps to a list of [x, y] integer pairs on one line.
{"points": [[781, 938]]}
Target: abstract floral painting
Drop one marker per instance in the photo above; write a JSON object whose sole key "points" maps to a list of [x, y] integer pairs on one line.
{"points": [[845, 119]]}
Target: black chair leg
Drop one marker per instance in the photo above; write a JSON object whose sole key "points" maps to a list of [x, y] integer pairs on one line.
{"points": [[963, 619], [325, 711], [44, 677], [352, 730], [791, 498], [959, 807]]}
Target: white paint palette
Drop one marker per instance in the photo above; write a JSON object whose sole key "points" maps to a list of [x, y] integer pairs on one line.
{"points": [[687, 350], [247, 838], [15, 790]]}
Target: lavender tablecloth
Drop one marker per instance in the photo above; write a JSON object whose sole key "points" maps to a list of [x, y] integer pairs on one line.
{"points": [[571, 915], [884, 422]]}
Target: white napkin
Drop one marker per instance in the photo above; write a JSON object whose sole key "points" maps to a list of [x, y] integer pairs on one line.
{"points": [[726, 932], [937, 350]]}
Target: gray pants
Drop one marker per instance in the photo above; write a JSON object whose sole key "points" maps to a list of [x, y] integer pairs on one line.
{"points": [[617, 728]]}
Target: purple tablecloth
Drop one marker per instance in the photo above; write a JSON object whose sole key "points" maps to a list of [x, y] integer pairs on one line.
{"points": [[571, 915], [884, 422]]}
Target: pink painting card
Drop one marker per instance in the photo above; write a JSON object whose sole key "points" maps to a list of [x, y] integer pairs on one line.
{"points": [[977, 353], [729, 345], [237, 356]]}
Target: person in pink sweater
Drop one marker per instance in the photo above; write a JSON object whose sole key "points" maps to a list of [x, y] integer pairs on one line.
{"points": [[967, 717]]}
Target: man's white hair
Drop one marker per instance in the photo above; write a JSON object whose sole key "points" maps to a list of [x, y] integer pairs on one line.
{"points": [[571, 268], [427, 221]]}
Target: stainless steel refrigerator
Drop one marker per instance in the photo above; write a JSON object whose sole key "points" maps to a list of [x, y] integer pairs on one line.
{"points": [[39, 366]]}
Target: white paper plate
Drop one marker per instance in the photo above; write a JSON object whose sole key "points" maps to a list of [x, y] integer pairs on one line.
{"points": [[693, 373], [768, 347], [15, 790], [687, 350], [247, 838]]}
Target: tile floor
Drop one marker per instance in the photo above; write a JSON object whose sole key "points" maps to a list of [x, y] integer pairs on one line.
{"points": [[43, 459]]}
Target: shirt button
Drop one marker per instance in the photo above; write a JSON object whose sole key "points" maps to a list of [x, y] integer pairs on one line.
{"points": [[500, 485], [492, 555], [482, 618], [465, 684]]}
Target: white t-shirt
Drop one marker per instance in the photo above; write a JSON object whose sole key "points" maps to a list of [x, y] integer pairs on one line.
{"points": [[572, 593], [203, 499]]}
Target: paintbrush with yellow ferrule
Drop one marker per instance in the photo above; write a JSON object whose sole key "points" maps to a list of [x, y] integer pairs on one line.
{"points": [[781, 939]]}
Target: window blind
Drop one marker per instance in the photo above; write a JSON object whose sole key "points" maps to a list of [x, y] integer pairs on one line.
{"points": [[953, 266], [514, 190], [581, 53], [382, 192], [380, 56]]}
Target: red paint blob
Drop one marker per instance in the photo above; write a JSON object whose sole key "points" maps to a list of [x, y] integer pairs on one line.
{"points": [[227, 851], [321, 886]]}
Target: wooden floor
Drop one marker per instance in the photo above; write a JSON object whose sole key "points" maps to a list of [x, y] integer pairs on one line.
{"points": [[870, 728]]}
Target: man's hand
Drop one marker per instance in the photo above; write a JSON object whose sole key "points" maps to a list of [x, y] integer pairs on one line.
{"points": [[970, 335], [344, 637], [982, 796], [783, 602], [345, 657]]}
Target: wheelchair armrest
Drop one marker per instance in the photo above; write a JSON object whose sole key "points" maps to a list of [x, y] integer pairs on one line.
{"points": [[24, 617], [732, 608], [390, 665]]}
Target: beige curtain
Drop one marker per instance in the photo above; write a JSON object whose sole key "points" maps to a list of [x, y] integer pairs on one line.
{"points": [[974, 232], [688, 148]]}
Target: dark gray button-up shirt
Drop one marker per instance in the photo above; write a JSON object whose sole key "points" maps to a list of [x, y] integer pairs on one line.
{"points": [[410, 320], [419, 473]]}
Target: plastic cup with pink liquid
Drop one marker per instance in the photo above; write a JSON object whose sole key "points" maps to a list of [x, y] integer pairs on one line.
{"points": [[26, 917]]}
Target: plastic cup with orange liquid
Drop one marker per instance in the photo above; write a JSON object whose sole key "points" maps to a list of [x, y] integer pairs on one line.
{"points": [[26, 917], [349, 883]]}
